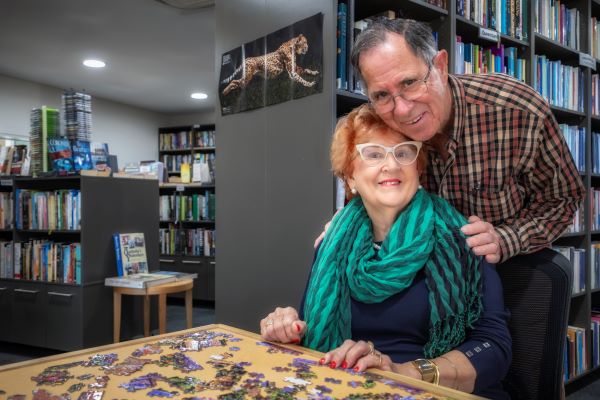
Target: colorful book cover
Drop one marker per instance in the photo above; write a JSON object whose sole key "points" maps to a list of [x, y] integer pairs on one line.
{"points": [[59, 151], [99, 152], [82, 156], [130, 250]]}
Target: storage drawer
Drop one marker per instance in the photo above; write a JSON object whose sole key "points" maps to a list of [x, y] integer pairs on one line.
{"points": [[5, 310], [28, 314], [64, 319]]}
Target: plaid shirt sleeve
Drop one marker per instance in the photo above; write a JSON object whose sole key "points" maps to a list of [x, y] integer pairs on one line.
{"points": [[555, 191]]}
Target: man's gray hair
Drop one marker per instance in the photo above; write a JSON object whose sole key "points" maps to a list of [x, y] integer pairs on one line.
{"points": [[418, 37]]}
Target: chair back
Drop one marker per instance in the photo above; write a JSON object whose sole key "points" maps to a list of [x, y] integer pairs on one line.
{"points": [[537, 291]]}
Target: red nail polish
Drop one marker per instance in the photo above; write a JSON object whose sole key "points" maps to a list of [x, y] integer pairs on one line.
{"points": [[297, 327], [356, 369], [296, 341], [332, 365], [344, 364], [322, 361]]}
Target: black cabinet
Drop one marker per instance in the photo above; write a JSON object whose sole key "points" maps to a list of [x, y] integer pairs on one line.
{"points": [[67, 316]]}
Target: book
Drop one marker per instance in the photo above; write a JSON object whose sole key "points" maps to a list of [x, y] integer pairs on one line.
{"points": [[179, 276], [99, 153], [139, 281], [130, 251], [82, 156], [59, 152]]}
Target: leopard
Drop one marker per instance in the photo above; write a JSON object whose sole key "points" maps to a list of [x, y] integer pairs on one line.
{"points": [[272, 64]]}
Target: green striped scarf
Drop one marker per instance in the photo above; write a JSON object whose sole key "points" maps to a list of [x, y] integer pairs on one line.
{"points": [[426, 234]]}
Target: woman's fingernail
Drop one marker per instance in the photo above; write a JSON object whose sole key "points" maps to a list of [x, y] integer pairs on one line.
{"points": [[322, 361], [332, 365], [296, 341], [356, 369], [297, 327], [344, 364]]}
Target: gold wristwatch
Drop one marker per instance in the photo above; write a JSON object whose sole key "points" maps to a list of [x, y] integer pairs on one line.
{"points": [[428, 369]]}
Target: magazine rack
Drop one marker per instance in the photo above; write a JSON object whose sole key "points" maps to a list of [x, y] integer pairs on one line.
{"points": [[162, 291]]}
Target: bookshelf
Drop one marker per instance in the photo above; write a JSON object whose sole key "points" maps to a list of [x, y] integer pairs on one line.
{"points": [[69, 311], [187, 210], [528, 36]]}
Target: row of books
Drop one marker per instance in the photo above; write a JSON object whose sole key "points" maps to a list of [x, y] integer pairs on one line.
{"points": [[594, 194], [41, 260], [578, 224], [172, 162], [595, 265], [595, 329], [575, 359], [194, 207], [475, 59], [557, 22], [507, 17], [575, 138], [595, 95], [595, 47], [6, 210], [190, 242], [577, 257], [48, 210], [186, 140], [595, 153], [561, 85], [6, 259]]}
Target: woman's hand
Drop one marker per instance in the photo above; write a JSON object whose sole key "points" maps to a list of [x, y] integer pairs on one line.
{"points": [[282, 325], [358, 356]]}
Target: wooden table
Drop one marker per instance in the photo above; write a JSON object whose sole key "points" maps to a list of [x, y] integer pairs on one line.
{"points": [[162, 291], [220, 361]]}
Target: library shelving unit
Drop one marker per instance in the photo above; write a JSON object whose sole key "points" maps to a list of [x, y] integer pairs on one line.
{"points": [[49, 310], [532, 38], [187, 210]]}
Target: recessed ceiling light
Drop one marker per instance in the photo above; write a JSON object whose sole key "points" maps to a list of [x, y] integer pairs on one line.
{"points": [[94, 63], [199, 96]]}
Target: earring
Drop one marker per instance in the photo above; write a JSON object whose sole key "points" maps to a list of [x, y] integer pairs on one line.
{"points": [[353, 190], [420, 187]]}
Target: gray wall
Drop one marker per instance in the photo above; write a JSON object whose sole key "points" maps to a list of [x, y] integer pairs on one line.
{"points": [[274, 185], [131, 132]]}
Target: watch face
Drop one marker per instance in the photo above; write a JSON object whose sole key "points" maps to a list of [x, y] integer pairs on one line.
{"points": [[426, 368]]}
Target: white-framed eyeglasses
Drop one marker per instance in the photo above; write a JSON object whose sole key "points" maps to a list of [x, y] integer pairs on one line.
{"points": [[374, 154], [385, 102]]}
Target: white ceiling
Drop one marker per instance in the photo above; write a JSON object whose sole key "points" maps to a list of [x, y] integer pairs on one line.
{"points": [[156, 55]]}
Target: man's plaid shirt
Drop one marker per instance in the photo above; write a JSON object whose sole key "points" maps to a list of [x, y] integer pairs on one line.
{"points": [[508, 163]]}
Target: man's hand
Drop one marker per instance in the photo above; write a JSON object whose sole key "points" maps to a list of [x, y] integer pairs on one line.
{"points": [[483, 239], [322, 235]]}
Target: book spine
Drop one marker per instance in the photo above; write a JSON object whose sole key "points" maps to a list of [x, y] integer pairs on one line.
{"points": [[118, 254]]}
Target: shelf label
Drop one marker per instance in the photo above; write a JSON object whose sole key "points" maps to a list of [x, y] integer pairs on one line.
{"points": [[585, 60], [489, 34], [5, 182], [180, 188]]}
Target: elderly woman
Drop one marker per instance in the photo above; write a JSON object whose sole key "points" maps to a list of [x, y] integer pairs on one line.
{"points": [[394, 284]]}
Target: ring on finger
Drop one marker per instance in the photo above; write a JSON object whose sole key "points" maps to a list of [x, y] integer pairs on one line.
{"points": [[269, 322], [378, 354], [371, 347]]}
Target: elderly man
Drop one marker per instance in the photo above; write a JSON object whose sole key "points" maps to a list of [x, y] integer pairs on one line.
{"points": [[496, 152]]}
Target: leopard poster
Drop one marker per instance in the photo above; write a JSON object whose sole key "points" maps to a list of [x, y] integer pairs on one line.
{"points": [[284, 65]]}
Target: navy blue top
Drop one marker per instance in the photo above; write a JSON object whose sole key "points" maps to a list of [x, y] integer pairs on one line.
{"points": [[399, 327]]}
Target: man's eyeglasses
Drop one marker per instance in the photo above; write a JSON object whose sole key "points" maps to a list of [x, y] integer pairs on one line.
{"points": [[374, 154], [384, 102]]}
